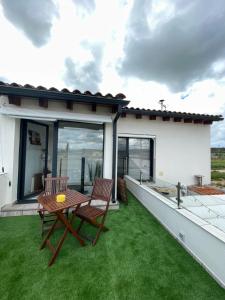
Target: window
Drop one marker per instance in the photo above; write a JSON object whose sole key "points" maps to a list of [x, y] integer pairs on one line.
{"points": [[135, 157]]}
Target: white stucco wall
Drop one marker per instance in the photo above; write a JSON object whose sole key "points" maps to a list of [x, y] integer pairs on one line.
{"points": [[10, 128], [9, 139], [61, 106], [182, 150]]}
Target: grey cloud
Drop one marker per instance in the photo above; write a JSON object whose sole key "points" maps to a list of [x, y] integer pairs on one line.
{"points": [[85, 76], [33, 17], [87, 5], [179, 51]]}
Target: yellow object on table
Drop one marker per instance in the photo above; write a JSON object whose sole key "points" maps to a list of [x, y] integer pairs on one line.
{"points": [[60, 198]]}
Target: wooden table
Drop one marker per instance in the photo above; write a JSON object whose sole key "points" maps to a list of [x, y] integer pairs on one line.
{"points": [[73, 199]]}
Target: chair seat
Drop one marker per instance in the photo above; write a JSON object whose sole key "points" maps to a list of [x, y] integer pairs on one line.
{"points": [[89, 212]]}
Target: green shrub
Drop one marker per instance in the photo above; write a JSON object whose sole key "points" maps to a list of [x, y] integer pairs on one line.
{"points": [[217, 176], [218, 164]]}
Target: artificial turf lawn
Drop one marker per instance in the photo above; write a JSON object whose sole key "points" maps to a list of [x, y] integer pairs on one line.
{"points": [[136, 259]]}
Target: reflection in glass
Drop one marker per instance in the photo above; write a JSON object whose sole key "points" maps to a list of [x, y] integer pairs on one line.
{"points": [[77, 141], [139, 158], [122, 157], [135, 157], [35, 159]]}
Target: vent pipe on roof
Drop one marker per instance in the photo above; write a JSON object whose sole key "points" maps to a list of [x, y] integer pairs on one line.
{"points": [[163, 106]]}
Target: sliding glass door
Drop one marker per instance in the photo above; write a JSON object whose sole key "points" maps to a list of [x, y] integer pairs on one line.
{"points": [[80, 153], [135, 157], [33, 159]]}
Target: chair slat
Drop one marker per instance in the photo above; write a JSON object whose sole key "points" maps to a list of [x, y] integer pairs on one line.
{"points": [[102, 190], [53, 185]]}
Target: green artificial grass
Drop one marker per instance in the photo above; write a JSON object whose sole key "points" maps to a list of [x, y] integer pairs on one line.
{"points": [[136, 259]]}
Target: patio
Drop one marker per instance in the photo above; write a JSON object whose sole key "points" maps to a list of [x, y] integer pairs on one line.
{"points": [[136, 259]]}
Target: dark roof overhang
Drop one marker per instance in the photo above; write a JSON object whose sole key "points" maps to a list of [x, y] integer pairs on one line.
{"points": [[40, 92], [172, 114]]}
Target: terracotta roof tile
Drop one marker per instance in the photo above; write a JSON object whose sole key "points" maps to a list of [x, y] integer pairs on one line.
{"points": [[53, 89], [120, 96], [31, 91], [98, 94], [65, 90], [76, 92], [40, 87], [88, 93], [66, 94], [172, 114], [28, 86], [109, 95], [15, 84]]}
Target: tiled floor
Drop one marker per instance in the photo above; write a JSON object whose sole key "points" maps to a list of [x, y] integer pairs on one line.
{"points": [[210, 208], [19, 209], [31, 208]]}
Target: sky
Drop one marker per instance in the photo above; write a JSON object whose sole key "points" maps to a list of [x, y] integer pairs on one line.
{"points": [[146, 49]]}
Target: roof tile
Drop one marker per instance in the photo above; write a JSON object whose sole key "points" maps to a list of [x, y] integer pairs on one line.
{"points": [[118, 97], [173, 114]]}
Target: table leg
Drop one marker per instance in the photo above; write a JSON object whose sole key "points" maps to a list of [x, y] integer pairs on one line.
{"points": [[56, 252], [70, 228], [48, 235]]}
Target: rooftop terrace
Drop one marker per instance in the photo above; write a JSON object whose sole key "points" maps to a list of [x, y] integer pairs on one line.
{"points": [[136, 259]]}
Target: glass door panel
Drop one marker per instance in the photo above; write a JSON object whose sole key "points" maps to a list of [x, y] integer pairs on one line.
{"points": [[135, 157], [80, 153], [122, 157], [139, 158], [34, 159]]}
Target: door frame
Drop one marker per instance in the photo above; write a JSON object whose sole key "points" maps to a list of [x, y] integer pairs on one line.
{"points": [[21, 198], [56, 126], [151, 152]]}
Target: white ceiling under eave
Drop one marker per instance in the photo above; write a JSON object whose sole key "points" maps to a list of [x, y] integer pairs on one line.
{"points": [[48, 115]]}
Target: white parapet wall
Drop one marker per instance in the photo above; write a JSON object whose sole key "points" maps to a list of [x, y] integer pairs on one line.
{"points": [[203, 241]]}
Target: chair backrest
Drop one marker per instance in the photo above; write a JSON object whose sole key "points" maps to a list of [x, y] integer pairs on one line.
{"points": [[54, 185], [102, 189]]}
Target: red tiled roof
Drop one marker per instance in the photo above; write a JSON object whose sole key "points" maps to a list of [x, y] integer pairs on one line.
{"points": [[64, 90], [171, 114]]}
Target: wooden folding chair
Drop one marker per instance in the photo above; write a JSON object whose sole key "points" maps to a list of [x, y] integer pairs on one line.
{"points": [[53, 185], [102, 190]]}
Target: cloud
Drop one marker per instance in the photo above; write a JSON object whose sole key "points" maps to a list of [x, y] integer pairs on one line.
{"points": [[86, 5], [33, 17], [176, 44], [86, 76]]}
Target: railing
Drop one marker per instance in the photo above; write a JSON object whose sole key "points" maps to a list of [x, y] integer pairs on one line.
{"points": [[208, 207], [194, 233]]}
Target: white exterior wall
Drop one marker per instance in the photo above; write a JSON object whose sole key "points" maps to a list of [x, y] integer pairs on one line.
{"points": [[10, 139], [182, 150], [203, 241], [60, 106]]}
